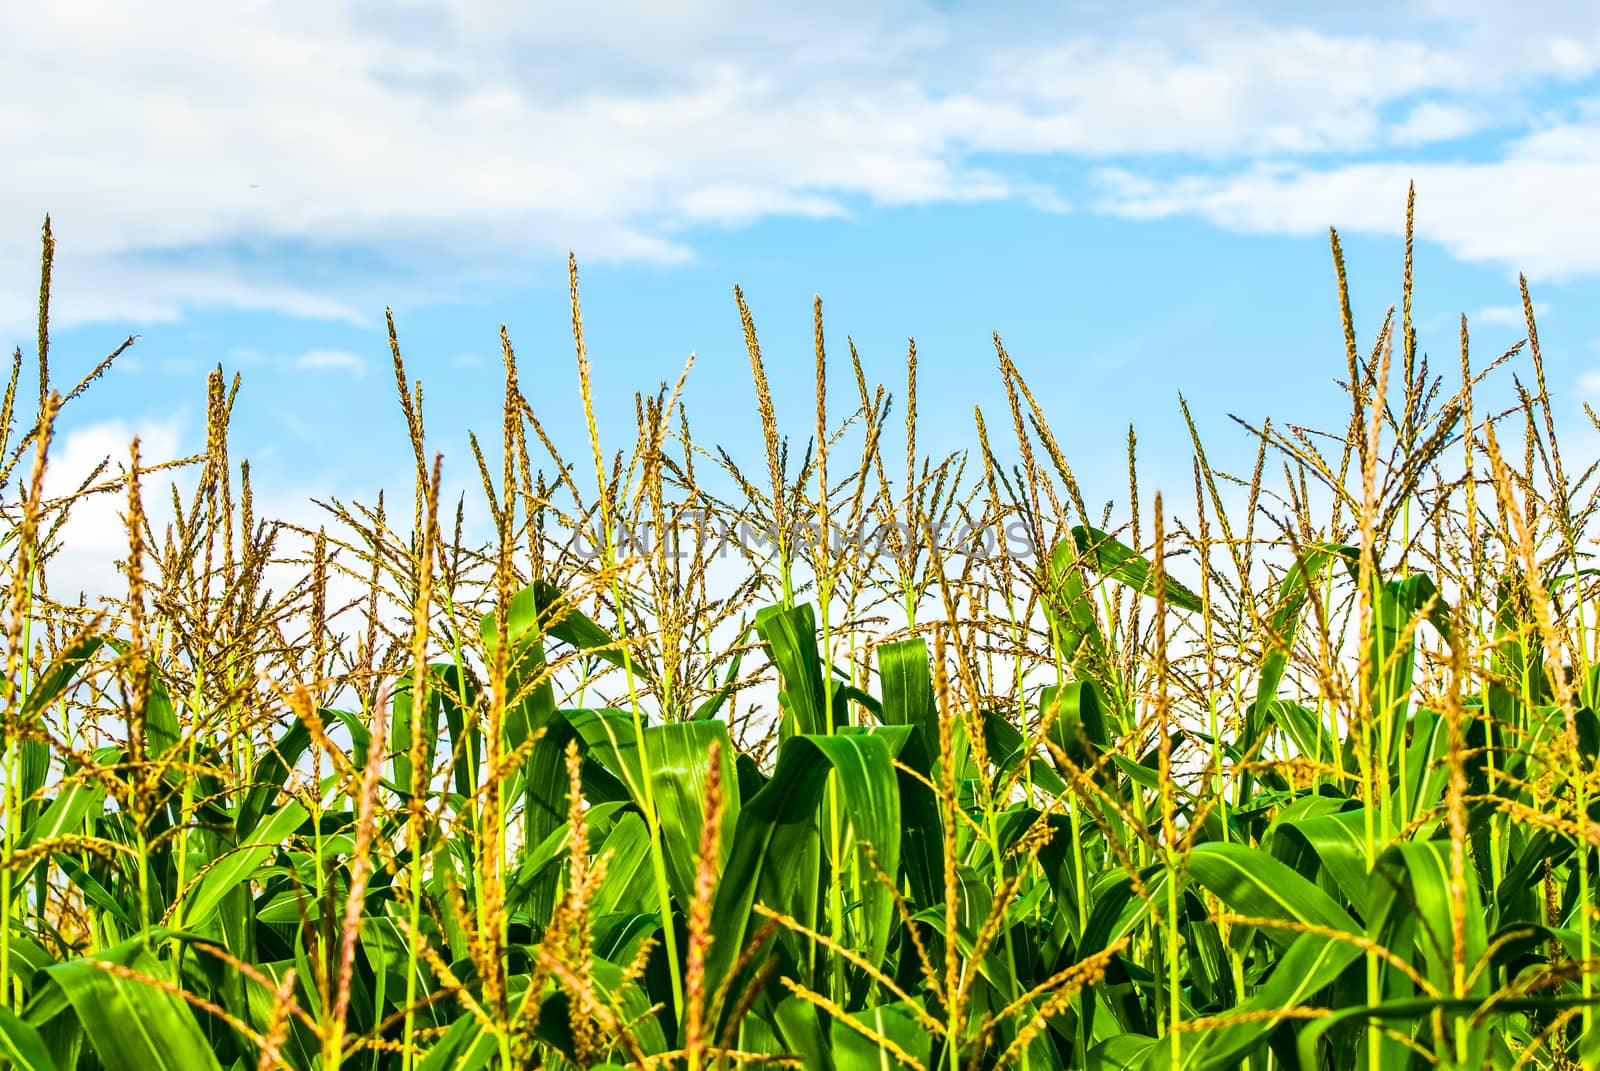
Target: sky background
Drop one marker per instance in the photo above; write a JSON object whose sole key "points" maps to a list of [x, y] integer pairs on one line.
{"points": [[1138, 204]]}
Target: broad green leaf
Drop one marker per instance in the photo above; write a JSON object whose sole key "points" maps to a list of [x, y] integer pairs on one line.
{"points": [[907, 683], [1111, 558], [799, 1025], [854, 1051], [21, 1045], [1391, 661], [1422, 784], [55, 680], [133, 1025], [1308, 731], [1419, 1009], [1284, 624], [1337, 841], [240, 864], [162, 734], [80, 799], [1069, 610], [1120, 1051], [908, 700], [1310, 964], [271, 773], [1077, 713], [675, 760], [1252, 883], [463, 1047], [115, 908], [1117, 910], [776, 825], [301, 1049], [626, 888], [563, 621], [791, 638], [713, 705], [1411, 894]]}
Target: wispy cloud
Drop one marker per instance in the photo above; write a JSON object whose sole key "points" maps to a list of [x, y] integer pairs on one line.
{"points": [[94, 538], [1518, 210], [340, 360], [184, 170], [1431, 122], [1508, 315]]}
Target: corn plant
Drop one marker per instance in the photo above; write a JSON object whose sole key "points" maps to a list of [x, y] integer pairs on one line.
{"points": [[694, 765]]}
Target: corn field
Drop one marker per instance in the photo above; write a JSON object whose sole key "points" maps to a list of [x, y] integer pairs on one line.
{"points": [[1291, 768]]}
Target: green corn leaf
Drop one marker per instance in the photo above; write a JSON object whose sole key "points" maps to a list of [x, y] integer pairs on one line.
{"points": [[713, 705], [132, 1024], [81, 799], [1337, 841], [1008, 750], [96, 893], [463, 1047], [1118, 911], [271, 773], [778, 823], [412, 724], [1077, 712], [1306, 729], [565, 622], [1069, 609], [1419, 1009], [1116, 560], [1421, 788], [907, 682], [1310, 964], [906, 679], [1284, 623], [1391, 661], [855, 1051], [626, 888], [239, 865], [52, 684], [678, 755], [617, 937], [1529, 858], [1120, 1051], [1410, 895], [58, 677], [1251, 882], [799, 1026], [21, 1045], [791, 637]]}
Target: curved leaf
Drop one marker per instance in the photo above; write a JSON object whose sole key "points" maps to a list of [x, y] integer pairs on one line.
{"points": [[675, 761], [1253, 883], [21, 1045], [132, 1024], [241, 864]]}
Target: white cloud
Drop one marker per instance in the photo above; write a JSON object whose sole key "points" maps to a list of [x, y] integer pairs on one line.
{"points": [[193, 158], [1508, 315], [1523, 211], [1589, 383], [332, 359], [1212, 91], [1431, 122], [94, 537]]}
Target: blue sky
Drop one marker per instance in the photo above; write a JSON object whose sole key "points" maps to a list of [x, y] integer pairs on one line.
{"points": [[1139, 205]]}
